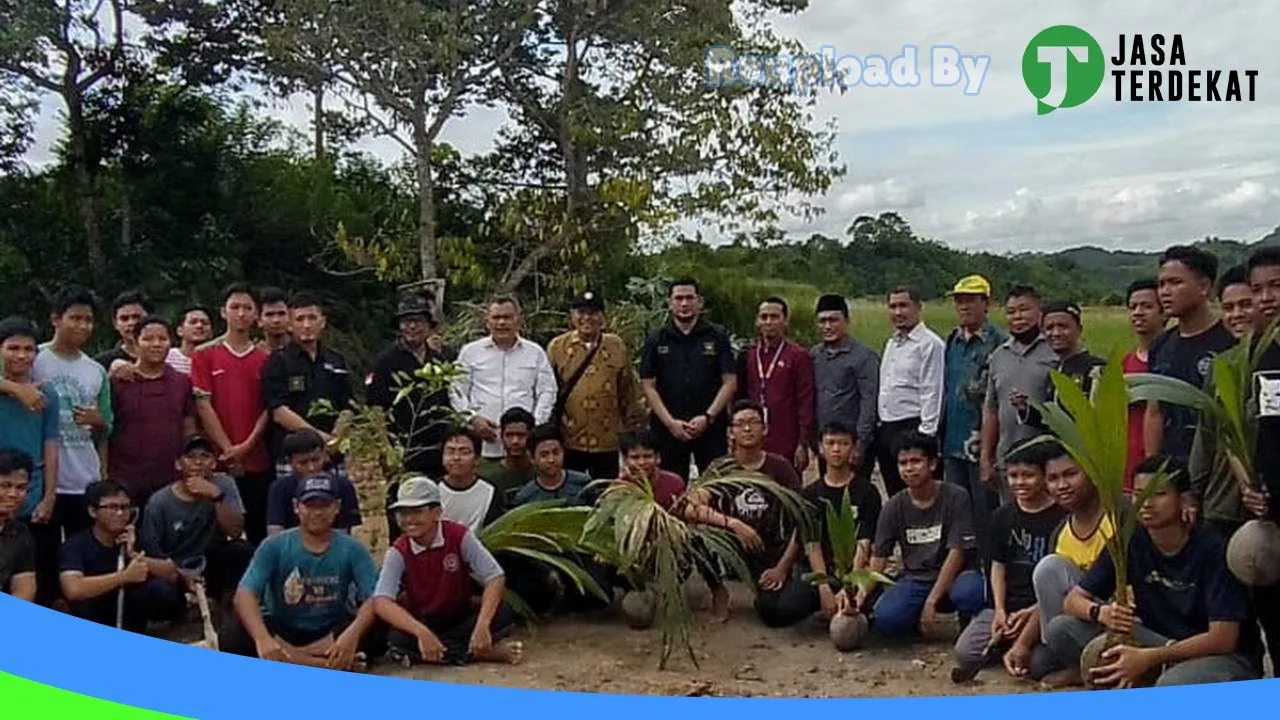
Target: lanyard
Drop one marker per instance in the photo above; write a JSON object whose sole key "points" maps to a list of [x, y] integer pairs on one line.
{"points": [[766, 374]]}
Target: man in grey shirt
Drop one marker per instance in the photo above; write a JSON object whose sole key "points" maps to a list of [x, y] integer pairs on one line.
{"points": [[846, 380], [1019, 376], [197, 522]]}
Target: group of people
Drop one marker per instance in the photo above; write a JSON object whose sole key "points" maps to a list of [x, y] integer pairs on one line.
{"points": [[131, 481]]}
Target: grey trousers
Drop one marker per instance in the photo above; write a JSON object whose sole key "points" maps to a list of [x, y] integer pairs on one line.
{"points": [[975, 637], [1067, 636], [1053, 578]]}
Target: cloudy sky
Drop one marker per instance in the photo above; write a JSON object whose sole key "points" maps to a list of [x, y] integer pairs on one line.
{"points": [[985, 172]]}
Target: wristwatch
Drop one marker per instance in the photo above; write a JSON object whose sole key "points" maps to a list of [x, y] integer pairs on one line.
{"points": [[1095, 610]]}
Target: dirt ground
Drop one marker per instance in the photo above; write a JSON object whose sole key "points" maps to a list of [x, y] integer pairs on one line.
{"points": [[741, 658]]}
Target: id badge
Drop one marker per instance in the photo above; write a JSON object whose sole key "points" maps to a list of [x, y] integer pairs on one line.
{"points": [[765, 413]]}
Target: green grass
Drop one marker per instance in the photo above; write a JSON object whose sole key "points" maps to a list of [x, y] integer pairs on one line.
{"points": [[1105, 328]]}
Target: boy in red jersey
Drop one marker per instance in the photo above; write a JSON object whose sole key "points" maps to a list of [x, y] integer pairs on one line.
{"points": [[1146, 317], [227, 378]]}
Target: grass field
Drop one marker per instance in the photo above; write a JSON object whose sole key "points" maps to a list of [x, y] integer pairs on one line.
{"points": [[1105, 328]]}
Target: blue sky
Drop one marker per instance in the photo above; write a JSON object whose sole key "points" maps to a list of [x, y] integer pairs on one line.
{"points": [[986, 172]]}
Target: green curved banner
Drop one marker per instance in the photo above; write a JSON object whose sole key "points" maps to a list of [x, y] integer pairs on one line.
{"points": [[26, 699]]}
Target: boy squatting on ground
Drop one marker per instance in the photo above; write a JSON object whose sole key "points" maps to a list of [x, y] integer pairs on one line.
{"points": [[1189, 618], [1022, 534], [426, 589]]}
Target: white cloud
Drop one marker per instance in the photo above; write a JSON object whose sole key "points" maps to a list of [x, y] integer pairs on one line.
{"points": [[874, 197]]}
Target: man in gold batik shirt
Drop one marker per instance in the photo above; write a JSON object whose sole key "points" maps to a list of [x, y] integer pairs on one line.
{"points": [[598, 395]]}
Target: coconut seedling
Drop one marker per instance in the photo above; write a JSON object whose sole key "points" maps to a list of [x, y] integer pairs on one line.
{"points": [[546, 532], [1229, 424], [848, 630], [1095, 431], [656, 548], [417, 391], [372, 456]]}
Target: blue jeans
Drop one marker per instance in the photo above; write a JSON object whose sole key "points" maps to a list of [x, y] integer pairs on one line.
{"points": [[898, 610]]}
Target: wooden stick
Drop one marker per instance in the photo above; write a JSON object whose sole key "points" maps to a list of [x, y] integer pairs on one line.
{"points": [[202, 600]]}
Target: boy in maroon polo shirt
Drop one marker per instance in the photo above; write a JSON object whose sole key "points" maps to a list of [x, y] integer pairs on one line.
{"points": [[227, 377], [426, 587]]}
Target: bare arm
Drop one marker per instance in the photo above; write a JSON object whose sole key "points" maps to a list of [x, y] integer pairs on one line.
{"points": [[792, 553], [990, 434], [1221, 638], [78, 586], [230, 520], [659, 408], [391, 613], [290, 420], [999, 586], [951, 568], [491, 600], [23, 586], [728, 386], [1153, 429], [212, 425], [249, 609]]}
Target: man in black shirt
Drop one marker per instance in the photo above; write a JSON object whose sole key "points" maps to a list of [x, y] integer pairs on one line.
{"points": [[127, 309], [419, 419], [689, 377], [304, 372], [1184, 352], [1189, 618], [17, 547]]}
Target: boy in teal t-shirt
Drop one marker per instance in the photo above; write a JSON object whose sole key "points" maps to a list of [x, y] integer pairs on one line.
{"points": [[305, 598]]}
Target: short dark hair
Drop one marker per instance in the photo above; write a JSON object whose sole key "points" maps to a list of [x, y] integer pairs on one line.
{"points": [[1018, 291], [1174, 470], [301, 442], [504, 299], [1200, 262], [684, 282], [516, 416], [832, 302], [545, 433], [1235, 275], [1055, 450], [240, 288], [151, 320], [18, 327], [272, 296], [1141, 285], [1034, 452], [72, 295], [12, 460], [775, 300], [835, 427], [182, 316], [305, 300], [637, 439], [905, 290], [462, 431], [132, 297], [1066, 308], [744, 405], [1264, 257], [916, 440], [101, 490]]}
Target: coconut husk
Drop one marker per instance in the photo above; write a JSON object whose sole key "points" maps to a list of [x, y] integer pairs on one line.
{"points": [[848, 632], [1252, 555], [639, 609]]}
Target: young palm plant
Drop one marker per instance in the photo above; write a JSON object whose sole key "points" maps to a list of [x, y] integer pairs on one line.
{"points": [[847, 631], [1229, 428], [656, 548], [546, 532], [1095, 432]]}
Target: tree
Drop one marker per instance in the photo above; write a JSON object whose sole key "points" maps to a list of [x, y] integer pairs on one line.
{"points": [[69, 49]]}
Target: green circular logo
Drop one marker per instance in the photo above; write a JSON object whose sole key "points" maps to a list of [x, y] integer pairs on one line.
{"points": [[1063, 66]]}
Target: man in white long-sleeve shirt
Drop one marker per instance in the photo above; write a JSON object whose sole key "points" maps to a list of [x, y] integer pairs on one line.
{"points": [[500, 372], [911, 379]]}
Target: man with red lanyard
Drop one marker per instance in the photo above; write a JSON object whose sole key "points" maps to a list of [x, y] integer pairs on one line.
{"points": [[778, 374]]}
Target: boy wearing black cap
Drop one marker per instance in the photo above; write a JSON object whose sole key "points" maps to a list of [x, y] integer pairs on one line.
{"points": [[597, 396], [195, 524], [1190, 619], [426, 587], [1063, 325], [305, 597]]}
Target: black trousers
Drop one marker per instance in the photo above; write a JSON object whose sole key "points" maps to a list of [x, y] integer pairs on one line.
{"points": [[254, 489], [702, 450], [784, 607], [454, 634], [599, 465], [225, 564], [71, 514], [153, 600], [235, 640], [533, 583], [886, 450], [48, 541]]}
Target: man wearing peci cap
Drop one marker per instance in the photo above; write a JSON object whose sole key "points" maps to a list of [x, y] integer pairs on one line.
{"points": [[305, 598], [846, 381], [427, 584], [419, 417], [598, 397], [1064, 329], [968, 354]]}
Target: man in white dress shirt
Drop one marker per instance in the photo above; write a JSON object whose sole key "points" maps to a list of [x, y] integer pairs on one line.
{"points": [[911, 379], [500, 372]]}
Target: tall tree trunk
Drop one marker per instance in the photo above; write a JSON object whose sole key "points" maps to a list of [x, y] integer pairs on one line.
{"points": [[317, 119], [86, 191], [426, 195]]}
